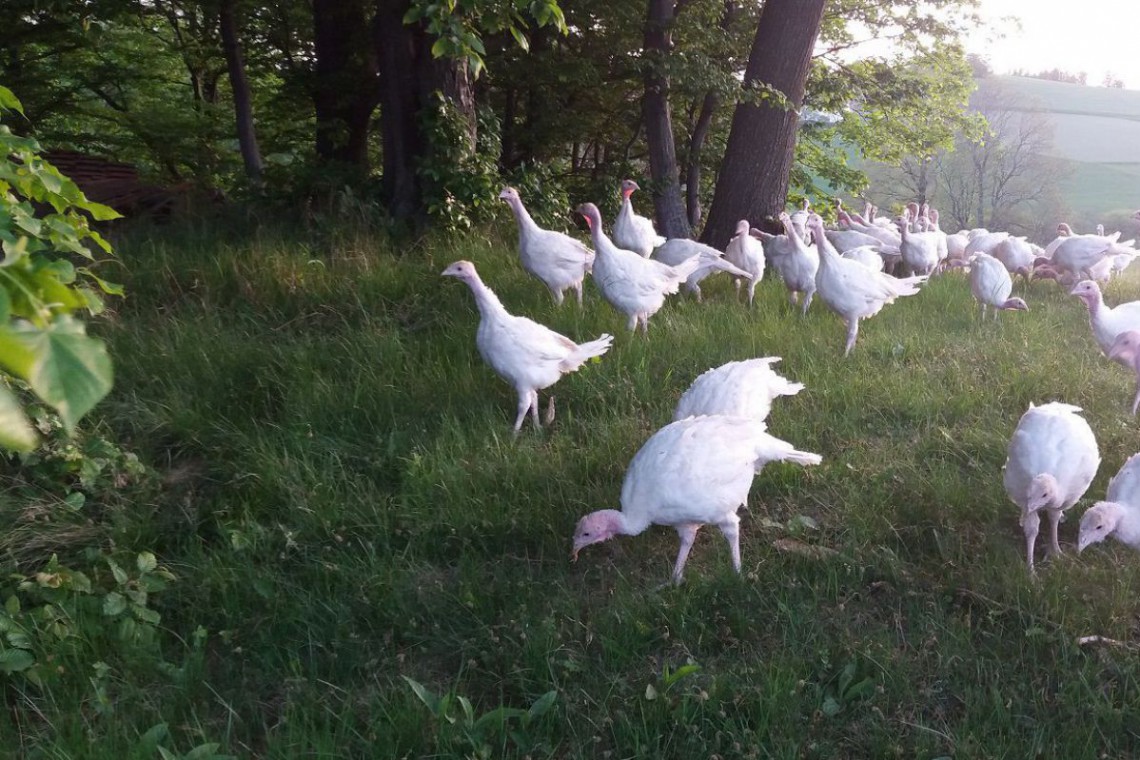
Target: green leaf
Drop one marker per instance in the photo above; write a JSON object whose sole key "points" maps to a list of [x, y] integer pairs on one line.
{"points": [[16, 433], [498, 717], [146, 562], [542, 705], [15, 660], [202, 751], [153, 735], [64, 367], [75, 500], [831, 707], [114, 604], [110, 288], [8, 101], [99, 212], [120, 574], [650, 692], [520, 39], [425, 696]]}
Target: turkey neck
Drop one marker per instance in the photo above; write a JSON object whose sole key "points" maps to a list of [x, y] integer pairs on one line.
{"points": [[485, 298], [527, 226]]}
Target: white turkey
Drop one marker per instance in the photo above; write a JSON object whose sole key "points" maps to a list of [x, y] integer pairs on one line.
{"points": [[920, 250], [693, 472], [633, 285], [1107, 322], [527, 355], [798, 267], [991, 285], [1118, 516], [740, 389], [852, 290], [677, 250], [1064, 232], [1125, 350], [1080, 253], [865, 255], [1053, 458], [632, 231], [984, 242], [557, 259], [746, 253], [1016, 255]]}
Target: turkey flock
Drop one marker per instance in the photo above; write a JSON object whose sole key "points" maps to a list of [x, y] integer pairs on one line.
{"points": [[698, 469]]}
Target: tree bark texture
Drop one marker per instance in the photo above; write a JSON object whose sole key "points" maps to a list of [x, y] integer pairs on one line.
{"points": [[753, 181], [243, 100], [409, 80], [672, 220], [693, 171], [345, 92]]}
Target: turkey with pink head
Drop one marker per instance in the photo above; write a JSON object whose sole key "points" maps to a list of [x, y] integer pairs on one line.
{"points": [[632, 231], [1107, 322], [1053, 457], [991, 285], [1125, 350], [1118, 516], [634, 285], [693, 472], [527, 355]]}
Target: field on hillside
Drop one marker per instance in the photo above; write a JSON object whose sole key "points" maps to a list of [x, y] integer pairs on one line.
{"points": [[1097, 133], [344, 506]]}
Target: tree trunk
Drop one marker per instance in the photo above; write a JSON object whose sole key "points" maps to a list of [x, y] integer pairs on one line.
{"points": [[693, 172], [671, 218], [409, 79], [345, 93], [243, 101], [757, 162]]}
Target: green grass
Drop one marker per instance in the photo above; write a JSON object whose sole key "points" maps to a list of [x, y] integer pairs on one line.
{"points": [[344, 505]]}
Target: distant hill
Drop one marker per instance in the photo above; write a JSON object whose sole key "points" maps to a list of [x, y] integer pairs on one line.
{"points": [[1097, 131]]}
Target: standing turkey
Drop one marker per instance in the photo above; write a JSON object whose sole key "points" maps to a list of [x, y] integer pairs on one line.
{"points": [[693, 472], [526, 354], [853, 290], [676, 251], [747, 253], [632, 231], [557, 259], [633, 285], [1053, 458]]}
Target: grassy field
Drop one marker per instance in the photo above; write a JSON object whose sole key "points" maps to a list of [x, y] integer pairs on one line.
{"points": [[1097, 133], [344, 505]]}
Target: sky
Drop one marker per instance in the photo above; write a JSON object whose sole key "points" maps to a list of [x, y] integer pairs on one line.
{"points": [[1094, 36]]}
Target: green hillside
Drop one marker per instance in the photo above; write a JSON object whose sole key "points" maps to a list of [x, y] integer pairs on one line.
{"points": [[1097, 132]]}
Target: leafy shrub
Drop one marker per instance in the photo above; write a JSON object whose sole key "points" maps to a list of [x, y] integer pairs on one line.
{"points": [[40, 288]]}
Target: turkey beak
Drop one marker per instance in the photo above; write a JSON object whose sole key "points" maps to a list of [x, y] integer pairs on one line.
{"points": [[574, 555]]}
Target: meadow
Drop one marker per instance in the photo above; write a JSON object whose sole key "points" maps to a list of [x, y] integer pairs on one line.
{"points": [[343, 506], [1096, 135]]}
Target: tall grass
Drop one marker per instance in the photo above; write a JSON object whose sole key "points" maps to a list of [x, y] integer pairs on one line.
{"points": [[344, 504]]}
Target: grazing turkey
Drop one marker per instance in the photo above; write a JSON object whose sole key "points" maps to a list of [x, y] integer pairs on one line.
{"points": [[1079, 254], [991, 285], [746, 253], [557, 259], [1125, 349], [852, 290], [633, 285], [632, 231], [1107, 322], [1118, 515], [1053, 458], [693, 472], [1016, 255], [740, 389], [526, 354], [678, 250]]}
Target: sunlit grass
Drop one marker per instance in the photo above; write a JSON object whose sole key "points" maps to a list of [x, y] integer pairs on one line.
{"points": [[350, 506]]}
